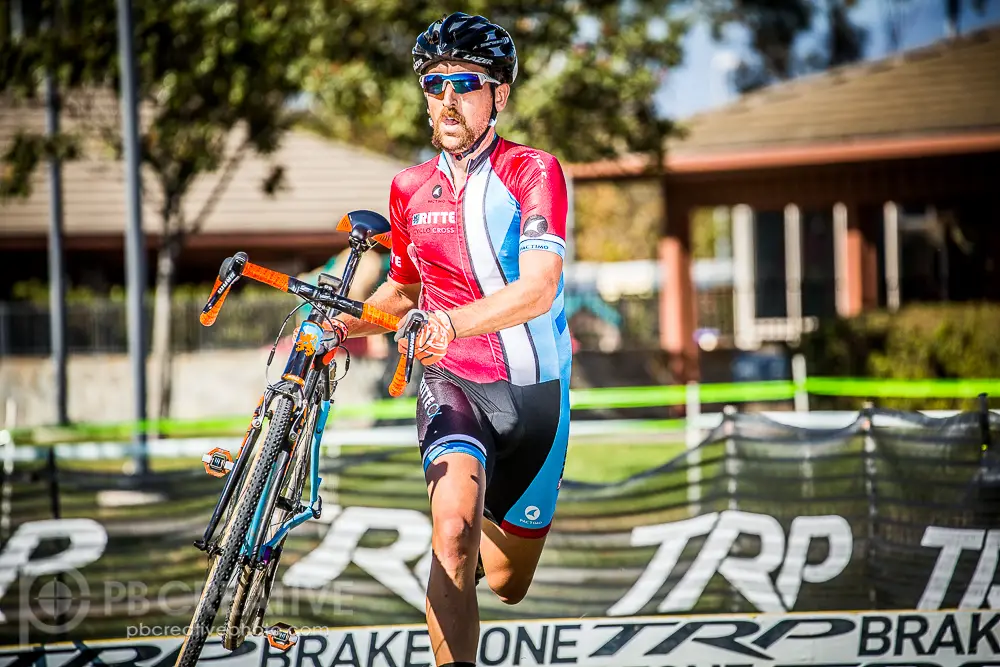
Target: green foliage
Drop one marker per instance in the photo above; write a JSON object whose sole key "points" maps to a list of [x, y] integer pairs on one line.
{"points": [[711, 233], [775, 26], [36, 292], [588, 72], [206, 71], [926, 341], [617, 221]]}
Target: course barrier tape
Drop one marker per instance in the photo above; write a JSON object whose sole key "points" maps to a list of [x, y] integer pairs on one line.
{"points": [[938, 638], [878, 388], [598, 398]]}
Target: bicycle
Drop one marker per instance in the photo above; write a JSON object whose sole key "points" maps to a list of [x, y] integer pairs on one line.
{"points": [[262, 497]]}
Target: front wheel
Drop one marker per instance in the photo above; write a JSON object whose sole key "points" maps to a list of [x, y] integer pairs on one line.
{"points": [[253, 585], [233, 538]]}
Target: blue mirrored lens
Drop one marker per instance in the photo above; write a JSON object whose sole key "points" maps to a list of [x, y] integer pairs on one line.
{"points": [[462, 82]]}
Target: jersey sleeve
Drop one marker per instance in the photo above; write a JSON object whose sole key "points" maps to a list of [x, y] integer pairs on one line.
{"points": [[540, 189], [401, 268]]}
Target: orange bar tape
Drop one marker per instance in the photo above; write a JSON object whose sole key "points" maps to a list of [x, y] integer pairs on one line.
{"points": [[275, 279], [398, 383], [379, 317], [208, 319]]}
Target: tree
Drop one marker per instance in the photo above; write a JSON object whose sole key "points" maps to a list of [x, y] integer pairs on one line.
{"points": [[775, 27], [214, 80], [212, 70], [898, 17], [588, 74]]}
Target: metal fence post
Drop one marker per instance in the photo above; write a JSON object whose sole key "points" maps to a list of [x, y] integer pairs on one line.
{"points": [[731, 464], [870, 493], [984, 422], [52, 470], [4, 324], [693, 432]]}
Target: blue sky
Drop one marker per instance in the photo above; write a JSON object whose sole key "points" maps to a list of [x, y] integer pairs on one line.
{"points": [[700, 83]]}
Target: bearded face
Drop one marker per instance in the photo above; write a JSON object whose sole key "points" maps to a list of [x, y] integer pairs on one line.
{"points": [[458, 120], [452, 132]]}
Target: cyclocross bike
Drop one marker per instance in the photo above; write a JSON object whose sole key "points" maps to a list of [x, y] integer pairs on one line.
{"points": [[261, 500]]}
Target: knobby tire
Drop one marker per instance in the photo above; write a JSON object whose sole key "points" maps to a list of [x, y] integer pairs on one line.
{"points": [[253, 584], [232, 540]]}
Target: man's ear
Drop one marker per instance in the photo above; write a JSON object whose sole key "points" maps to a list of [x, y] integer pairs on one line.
{"points": [[500, 96]]}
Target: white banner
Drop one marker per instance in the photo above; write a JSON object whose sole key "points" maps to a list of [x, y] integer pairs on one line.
{"points": [[838, 639]]}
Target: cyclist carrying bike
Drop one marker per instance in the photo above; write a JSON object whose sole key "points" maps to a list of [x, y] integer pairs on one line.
{"points": [[478, 240]]}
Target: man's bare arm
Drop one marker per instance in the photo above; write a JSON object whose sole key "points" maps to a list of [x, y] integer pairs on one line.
{"points": [[393, 298], [524, 299]]}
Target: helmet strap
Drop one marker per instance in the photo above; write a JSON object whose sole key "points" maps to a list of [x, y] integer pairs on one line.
{"points": [[482, 137]]}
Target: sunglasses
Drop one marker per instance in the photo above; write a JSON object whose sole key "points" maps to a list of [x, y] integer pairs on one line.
{"points": [[461, 82]]}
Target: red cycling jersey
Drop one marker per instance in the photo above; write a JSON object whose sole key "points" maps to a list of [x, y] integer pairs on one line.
{"points": [[463, 246]]}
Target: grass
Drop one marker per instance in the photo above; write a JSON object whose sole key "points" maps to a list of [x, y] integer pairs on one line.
{"points": [[614, 462]]}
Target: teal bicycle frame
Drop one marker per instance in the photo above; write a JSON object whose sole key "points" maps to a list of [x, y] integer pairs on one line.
{"points": [[299, 360]]}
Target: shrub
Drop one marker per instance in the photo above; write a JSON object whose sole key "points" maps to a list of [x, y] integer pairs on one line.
{"points": [[923, 341]]}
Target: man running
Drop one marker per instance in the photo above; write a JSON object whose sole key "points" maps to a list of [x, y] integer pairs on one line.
{"points": [[478, 239]]}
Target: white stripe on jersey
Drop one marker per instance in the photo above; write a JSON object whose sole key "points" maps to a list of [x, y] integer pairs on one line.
{"points": [[516, 341]]}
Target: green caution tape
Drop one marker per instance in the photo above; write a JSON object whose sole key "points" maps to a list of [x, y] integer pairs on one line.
{"points": [[605, 398], [877, 388], [648, 397]]}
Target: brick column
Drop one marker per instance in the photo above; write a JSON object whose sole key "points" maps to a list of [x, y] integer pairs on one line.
{"points": [[853, 263], [677, 302], [861, 279]]}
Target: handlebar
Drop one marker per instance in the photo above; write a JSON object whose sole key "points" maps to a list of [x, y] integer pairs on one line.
{"points": [[238, 265]]}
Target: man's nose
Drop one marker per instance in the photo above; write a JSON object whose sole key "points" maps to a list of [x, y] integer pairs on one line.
{"points": [[450, 97]]}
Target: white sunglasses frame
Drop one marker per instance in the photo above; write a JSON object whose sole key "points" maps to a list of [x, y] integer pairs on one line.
{"points": [[483, 79]]}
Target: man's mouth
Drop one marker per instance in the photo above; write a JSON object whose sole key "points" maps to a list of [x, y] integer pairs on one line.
{"points": [[451, 122]]}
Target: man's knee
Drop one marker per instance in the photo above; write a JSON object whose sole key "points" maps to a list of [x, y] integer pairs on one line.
{"points": [[455, 541], [509, 587]]}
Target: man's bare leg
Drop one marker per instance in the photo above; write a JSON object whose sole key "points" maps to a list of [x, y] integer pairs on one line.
{"points": [[509, 561], [456, 485]]}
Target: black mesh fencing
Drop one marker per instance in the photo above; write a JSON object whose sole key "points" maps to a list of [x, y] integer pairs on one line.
{"points": [[894, 510]]}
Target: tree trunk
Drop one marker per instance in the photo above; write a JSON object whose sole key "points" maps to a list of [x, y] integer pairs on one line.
{"points": [[162, 355]]}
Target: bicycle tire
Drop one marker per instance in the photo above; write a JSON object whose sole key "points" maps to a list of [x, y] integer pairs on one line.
{"points": [[236, 529], [252, 584]]}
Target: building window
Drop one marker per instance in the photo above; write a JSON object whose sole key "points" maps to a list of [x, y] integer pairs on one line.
{"points": [[769, 264], [819, 276], [923, 255]]}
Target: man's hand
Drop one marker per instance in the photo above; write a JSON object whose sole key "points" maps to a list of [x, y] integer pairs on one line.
{"points": [[339, 327], [432, 339]]}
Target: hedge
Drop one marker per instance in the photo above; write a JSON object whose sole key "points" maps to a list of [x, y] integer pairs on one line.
{"points": [[921, 341]]}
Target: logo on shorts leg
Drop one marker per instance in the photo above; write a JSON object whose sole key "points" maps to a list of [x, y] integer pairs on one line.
{"points": [[531, 513], [431, 406]]}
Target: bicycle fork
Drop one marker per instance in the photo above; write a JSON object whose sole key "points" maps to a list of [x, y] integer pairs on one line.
{"points": [[235, 474], [266, 550], [315, 508]]}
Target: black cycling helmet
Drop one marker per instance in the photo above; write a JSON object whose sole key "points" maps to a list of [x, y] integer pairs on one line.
{"points": [[471, 39]]}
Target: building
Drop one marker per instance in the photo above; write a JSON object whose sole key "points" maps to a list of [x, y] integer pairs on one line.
{"points": [[868, 186], [294, 230]]}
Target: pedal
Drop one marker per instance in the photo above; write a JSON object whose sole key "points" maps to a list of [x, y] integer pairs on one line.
{"points": [[218, 462], [281, 636]]}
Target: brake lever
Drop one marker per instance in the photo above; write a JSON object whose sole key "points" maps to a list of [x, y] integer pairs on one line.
{"points": [[411, 350], [230, 271]]}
